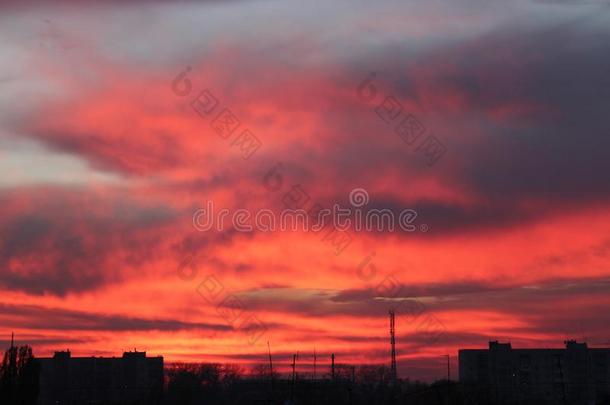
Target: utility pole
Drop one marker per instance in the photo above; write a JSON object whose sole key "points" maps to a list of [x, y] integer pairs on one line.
{"points": [[448, 377], [393, 347], [270, 368], [332, 366], [314, 363], [294, 363], [350, 388], [12, 367], [270, 362]]}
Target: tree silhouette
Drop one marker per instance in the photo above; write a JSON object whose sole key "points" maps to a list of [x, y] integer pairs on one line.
{"points": [[206, 383], [19, 377], [262, 372]]}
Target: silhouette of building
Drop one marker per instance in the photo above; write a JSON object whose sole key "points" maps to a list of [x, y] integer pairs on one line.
{"points": [[574, 375], [131, 379]]}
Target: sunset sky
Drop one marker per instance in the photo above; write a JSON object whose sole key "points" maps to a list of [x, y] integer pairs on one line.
{"points": [[104, 160]]}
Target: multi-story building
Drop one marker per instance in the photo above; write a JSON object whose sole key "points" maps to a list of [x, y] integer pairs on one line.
{"points": [[502, 375], [131, 379]]}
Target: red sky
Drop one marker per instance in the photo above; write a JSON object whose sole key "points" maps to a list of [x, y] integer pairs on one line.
{"points": [[102, 166]]}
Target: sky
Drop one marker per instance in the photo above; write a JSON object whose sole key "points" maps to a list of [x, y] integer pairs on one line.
{"points": [[121, 122]]}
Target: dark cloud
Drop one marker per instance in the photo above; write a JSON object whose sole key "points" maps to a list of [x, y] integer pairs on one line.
{"points": [[37, 317], [48, 248], [44, 341], [556, 148], [528, 302]]}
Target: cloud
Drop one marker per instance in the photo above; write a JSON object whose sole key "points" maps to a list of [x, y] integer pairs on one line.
{"points": [[56, 319], [48, 248]]}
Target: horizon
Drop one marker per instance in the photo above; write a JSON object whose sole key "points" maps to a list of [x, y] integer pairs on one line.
{"points": [[305, 362]]}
